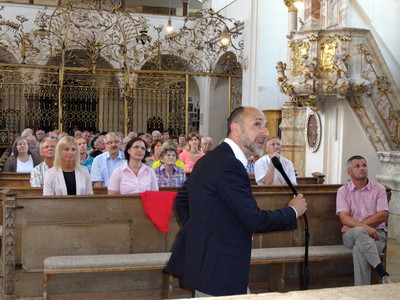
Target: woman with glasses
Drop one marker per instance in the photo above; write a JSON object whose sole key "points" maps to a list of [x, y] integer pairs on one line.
{"points": [[133, 176], [67, 176]]}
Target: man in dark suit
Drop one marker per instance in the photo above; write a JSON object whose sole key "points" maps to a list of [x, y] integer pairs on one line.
{"points": [[219, 214]]}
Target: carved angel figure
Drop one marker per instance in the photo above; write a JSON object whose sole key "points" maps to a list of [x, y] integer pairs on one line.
{"points": [[341, 69], [281, 68], [310, 67]]}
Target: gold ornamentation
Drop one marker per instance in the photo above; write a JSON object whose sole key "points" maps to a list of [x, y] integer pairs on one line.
{"points": [[383, 84], [328, 51], [357, 105], [364, 52], [93, 65], [313, 38], [359, 88], [299, 48], [290, 5], [329, 86], [287, 113], [344, 38]]}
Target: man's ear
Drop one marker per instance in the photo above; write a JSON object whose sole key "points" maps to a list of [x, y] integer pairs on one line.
{"points": [[235, 129]]}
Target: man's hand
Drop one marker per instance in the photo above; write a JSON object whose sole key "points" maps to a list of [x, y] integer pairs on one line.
{"points": [[372, 233], [299, 204]]}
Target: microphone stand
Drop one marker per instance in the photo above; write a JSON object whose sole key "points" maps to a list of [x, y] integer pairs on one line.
{"points": [[277, 164]]}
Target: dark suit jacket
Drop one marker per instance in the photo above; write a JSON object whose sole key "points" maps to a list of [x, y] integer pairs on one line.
{"points": [[219, 216]]}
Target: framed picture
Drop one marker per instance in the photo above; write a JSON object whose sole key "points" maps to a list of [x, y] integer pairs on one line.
{"points": [[313, 131], [4, 137]]}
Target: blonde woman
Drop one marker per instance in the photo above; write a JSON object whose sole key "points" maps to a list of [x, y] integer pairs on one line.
{"points": [[67, 176]]}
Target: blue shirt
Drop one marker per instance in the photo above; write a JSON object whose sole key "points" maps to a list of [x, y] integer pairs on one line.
{"points": [[88, 163], [103, 166]]}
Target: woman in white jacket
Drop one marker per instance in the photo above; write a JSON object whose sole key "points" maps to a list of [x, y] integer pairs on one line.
{"points": [[67, 176]]}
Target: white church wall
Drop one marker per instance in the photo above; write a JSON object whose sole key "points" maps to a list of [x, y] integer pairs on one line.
{"points": [[342, 137], [382, 19]]}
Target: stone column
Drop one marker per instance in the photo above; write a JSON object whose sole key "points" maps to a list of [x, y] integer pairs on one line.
{"points": [[293, 140], [292, 10], [390, 176]]}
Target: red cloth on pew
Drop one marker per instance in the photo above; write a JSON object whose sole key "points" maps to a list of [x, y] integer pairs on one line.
{"points": [[158, 206]]}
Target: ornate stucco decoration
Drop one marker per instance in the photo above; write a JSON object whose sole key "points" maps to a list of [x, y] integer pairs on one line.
{"points": [[343, 64]]}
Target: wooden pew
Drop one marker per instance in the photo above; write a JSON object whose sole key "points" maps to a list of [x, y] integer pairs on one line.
{"points": [[28, 191], [15, 179], [19, 180], [317, 178], [37, 227]]}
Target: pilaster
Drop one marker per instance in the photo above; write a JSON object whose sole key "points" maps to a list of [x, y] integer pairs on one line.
{"points": [[293, 141], [390, 176]]}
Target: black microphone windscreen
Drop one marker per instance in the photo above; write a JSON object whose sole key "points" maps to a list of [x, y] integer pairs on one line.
{"points": [[277, 164]]}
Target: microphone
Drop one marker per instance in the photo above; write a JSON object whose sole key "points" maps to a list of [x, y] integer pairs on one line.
{"points": [[277, 164]]}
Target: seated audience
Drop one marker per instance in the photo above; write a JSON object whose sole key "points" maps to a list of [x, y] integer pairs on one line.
{"points": [[362, 207], [169, 174], [84, 158], [181, 143], [165, 135], [193, 152], [26, 132], [155, 149], [133, 176], [125, 141], [61, 135], [156, 135], [264, 170], [88, 138], [98, 146], [133, 134], [40, 135], [33, 144], [105, 163], [47, 151], [67, 176], [77, 134], [174, 144], [250, 165], [206, 144], [22, 160], [52, 134]]}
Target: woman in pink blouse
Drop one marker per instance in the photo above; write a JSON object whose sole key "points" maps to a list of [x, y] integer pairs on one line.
{"points": [[133, 176], [193, 152]]}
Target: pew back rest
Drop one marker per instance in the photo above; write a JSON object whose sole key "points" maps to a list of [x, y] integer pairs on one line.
{"points": [[15, 179], [114, 224]]}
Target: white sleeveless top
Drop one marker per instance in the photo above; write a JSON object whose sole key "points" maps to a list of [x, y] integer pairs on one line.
{"points": [[25, 166]]}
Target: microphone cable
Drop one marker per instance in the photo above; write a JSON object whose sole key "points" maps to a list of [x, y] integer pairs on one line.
{"points": [[305, 280]]}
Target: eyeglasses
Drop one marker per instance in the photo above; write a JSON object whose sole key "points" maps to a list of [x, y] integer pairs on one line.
{"points": [[113, 142]]}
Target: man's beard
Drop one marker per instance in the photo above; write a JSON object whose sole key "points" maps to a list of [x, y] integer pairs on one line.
{"points": [[252, 146]]}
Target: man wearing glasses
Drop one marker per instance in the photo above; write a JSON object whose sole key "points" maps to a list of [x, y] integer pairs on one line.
{"points": [[105, 163]]}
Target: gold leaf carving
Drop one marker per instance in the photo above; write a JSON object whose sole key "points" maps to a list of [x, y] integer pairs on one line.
{"points": [[328, 51], [298, 48], [383, 84]]}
